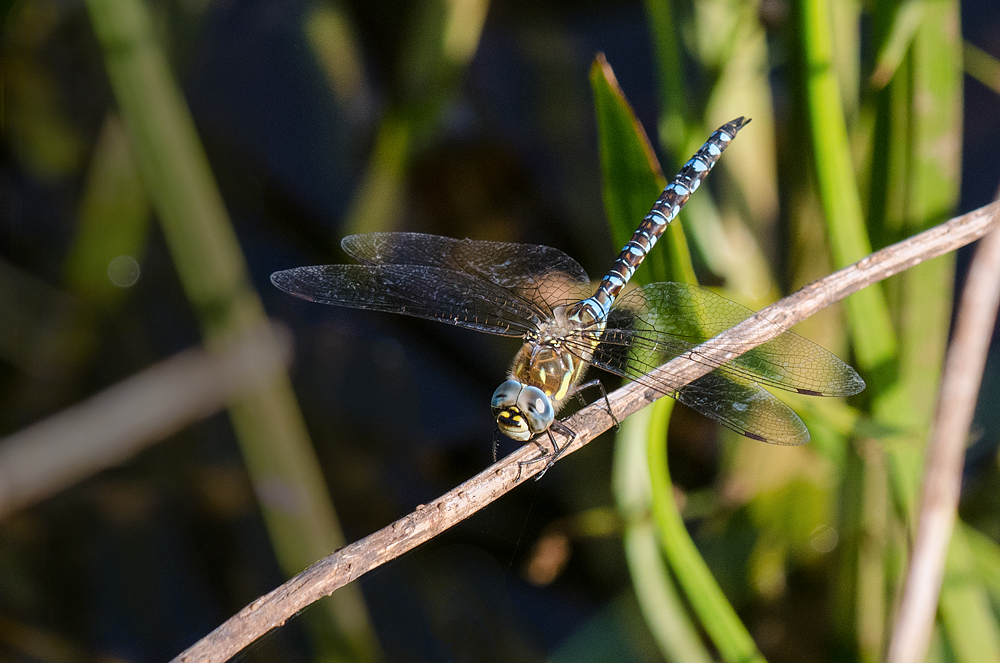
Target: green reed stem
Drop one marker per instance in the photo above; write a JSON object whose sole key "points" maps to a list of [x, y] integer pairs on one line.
{"points": [[268, 424]]}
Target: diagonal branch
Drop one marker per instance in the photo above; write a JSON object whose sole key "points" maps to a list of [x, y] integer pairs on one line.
{"points": [[427, 521]]}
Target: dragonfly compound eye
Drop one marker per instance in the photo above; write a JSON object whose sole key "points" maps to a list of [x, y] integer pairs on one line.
{"points": [[537, 408], [505, 396]]}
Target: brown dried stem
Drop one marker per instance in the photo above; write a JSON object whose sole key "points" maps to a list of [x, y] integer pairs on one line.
{"points": [[427, 521], [942, 483]]}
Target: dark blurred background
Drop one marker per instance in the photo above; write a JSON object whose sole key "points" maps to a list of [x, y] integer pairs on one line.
{"points": [[139, 560]]}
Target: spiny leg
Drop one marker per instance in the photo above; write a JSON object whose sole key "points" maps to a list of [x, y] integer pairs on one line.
{"points": [[604, 394], [496, 443], [550, 456], [545, 453]]}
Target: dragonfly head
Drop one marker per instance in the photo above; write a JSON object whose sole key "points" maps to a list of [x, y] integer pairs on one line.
{"points": [[522, 411]]}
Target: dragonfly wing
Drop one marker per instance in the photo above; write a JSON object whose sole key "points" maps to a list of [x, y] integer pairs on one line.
{"points": [[736, 402], [745, 407], [433, 293], [543, 275], [389, 248], [664, 320]]}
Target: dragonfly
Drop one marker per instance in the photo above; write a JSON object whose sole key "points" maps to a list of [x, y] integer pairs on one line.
{"points": [[543, 296]]}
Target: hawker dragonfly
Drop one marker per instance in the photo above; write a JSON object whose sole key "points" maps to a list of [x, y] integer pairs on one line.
{"points": [[543, 296]]}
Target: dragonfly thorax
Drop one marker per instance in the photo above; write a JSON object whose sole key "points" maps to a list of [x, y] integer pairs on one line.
{"points": [[554, 359], [574, 326], [545, 370], [553, 369]]}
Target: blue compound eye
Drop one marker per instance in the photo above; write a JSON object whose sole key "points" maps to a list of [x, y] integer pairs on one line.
{"points": [[537, 408], [505, 396]]}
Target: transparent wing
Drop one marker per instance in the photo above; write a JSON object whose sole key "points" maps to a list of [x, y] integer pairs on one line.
{"points": [[651, 325], [424, 292], [664, 320], [736, 402], [543, 275], [745, 407]]}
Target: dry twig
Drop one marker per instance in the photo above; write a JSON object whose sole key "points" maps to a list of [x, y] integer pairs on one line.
{"points": [[942, 484], [427, 521]]}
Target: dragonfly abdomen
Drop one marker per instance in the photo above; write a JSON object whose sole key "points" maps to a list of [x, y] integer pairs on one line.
{"points": [[665, 209]]}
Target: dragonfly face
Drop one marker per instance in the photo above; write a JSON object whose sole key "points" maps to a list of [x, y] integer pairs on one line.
{"points": [[522, 411]]}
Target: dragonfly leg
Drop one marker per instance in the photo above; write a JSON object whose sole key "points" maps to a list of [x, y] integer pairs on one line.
{"points": [[496, 443], [550, 457], [545, 453], [604, 394]]}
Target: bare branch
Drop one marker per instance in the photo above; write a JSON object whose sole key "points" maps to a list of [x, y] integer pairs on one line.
{"points": [[427, 521], [942, 484]]}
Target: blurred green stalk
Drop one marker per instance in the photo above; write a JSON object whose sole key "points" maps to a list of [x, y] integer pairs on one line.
{"points": [[982, 66], [330, 33], [275, 445], [714, 611], [867, 313], [113, 218], [655, 588], [670, 69], [442, 39], [632, 181]]}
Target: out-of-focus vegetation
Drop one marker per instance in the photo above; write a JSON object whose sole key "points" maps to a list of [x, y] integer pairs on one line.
{"points": [[161, 159]]}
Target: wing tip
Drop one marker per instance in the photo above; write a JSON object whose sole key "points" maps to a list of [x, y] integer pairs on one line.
{"points": [[851, 384], [856, 385], [279, 279]]}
